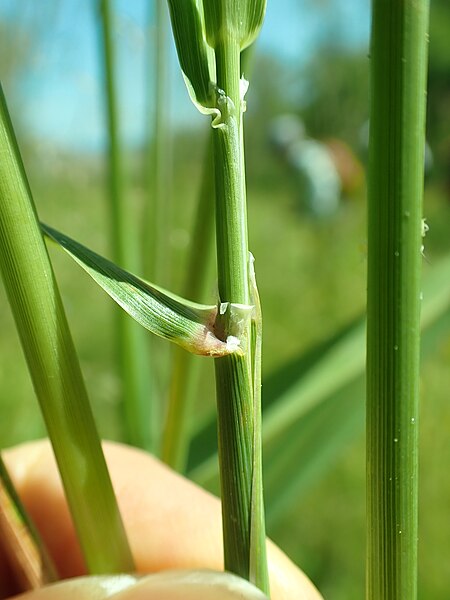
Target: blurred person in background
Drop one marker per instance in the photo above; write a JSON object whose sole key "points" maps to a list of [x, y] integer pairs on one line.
{"points": [[325, 171]]}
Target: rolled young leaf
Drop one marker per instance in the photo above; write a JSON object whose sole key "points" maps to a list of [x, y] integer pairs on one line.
{"points": [[196, 60], [238, 19], [188, 324]]}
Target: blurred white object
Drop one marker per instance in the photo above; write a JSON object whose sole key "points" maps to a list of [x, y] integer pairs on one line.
{"points": [[318, 180], [317, 175]]}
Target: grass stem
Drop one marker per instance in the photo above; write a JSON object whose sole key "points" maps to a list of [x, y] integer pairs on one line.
{"points": [[234, 380], [396, 162], [176, 440], [156, 246], [132, 341]]}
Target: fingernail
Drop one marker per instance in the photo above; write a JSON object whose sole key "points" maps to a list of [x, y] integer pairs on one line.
{"points": [[83, 588], [191, 585]]}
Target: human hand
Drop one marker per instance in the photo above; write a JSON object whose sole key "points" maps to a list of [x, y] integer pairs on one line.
{"points": [[163, 534]]}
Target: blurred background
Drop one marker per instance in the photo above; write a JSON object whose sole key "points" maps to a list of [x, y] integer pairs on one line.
{"points": [[306, 149]]}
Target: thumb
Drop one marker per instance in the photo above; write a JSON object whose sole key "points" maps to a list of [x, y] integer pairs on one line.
{"points": [[169, 585]]}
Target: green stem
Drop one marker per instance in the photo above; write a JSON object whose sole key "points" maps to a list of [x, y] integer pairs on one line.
{"points": [[397, 128], [234, 380], [184, 367], [119, 213], [231, 208], [54, 366], [157, 218], [131, 339]]}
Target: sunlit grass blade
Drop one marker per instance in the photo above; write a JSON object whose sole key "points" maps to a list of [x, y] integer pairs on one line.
{"points": [[395, 190], [185, 323], [291, 392], [54, 368], [335, 368], [291, 396], [311, 446], [138, 398], [327, 429], [24, 548]]}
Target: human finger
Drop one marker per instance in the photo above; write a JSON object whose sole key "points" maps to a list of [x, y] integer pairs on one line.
{"points": [[171, 523]]}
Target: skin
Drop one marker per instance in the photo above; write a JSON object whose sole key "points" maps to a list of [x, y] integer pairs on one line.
{"points": [[163, 534]]}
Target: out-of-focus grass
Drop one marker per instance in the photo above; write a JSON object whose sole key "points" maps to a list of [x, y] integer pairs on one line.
{"points": [[325, 531], [316, 273]]}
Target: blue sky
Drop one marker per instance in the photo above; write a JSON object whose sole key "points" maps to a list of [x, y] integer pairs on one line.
{"points": [[59, 89]]}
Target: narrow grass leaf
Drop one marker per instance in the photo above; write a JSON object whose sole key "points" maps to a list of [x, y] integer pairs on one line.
{"points": [[335, 368], [54, 367], [311, 446], [185, 323]]}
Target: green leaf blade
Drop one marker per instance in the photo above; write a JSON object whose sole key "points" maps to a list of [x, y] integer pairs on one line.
{"points": [[185, 323]]}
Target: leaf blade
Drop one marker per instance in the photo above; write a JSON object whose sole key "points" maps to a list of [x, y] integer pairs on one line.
{"points": [[185, 323]]}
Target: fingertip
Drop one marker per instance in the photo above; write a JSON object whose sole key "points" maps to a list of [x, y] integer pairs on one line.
{"points": [[171, 523], [172, 585]]}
